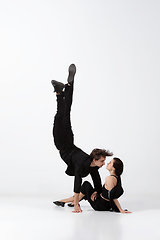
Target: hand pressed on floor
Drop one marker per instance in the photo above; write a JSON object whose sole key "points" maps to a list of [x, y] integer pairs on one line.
{"points": [[77, 209]]}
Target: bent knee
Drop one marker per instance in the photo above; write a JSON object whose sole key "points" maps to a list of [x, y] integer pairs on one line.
{"points": [[86, 183]]}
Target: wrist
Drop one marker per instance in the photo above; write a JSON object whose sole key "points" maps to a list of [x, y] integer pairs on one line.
{"points": [[76, 205]]}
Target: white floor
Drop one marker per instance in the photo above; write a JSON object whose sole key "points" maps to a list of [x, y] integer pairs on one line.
{"points": [[36, 218]]}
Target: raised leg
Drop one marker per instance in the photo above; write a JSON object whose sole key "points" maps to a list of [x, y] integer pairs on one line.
{"points": [[62, 129], [59, 131], [68, 95]]}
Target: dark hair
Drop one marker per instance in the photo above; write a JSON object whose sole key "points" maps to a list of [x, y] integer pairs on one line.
{"points": [[98, 153], [118, 165]]}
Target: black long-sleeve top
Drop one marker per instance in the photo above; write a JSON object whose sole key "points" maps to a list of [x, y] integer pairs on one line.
{"points": [[79, 166]]}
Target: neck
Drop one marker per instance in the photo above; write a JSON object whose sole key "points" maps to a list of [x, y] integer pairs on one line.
{"points": [[92, 164], [112, 173]]}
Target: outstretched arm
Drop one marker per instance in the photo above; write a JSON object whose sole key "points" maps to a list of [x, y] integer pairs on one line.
{"points": [[77, 208], [77, 186], [119, 206], [96, 179]]}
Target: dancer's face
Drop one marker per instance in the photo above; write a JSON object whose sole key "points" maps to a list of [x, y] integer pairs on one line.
{"points": [[109, 166], [100, 162]]}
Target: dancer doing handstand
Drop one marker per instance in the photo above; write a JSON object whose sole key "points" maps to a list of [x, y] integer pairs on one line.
{"points": [[79, 164]]}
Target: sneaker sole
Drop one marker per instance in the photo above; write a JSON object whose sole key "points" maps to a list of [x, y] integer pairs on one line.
{"points": [[72, 71]]}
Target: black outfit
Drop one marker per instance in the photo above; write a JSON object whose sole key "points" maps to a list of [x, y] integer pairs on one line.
{"points": [[78, 161], [101, 204]]}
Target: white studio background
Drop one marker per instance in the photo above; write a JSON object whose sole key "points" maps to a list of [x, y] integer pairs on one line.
{"points": [[115, 46]]}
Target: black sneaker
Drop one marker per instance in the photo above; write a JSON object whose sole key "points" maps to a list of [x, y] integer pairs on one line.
{"points": [[59, 203], [72, 205], [58, 86], [72, 71]]}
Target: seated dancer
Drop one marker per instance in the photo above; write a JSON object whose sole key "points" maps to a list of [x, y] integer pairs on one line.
{"points": [[107, 199], [79, 163]]}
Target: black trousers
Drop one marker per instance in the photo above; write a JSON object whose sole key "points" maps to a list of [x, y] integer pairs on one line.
{"points": [[99, 204], [62, 130]]}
